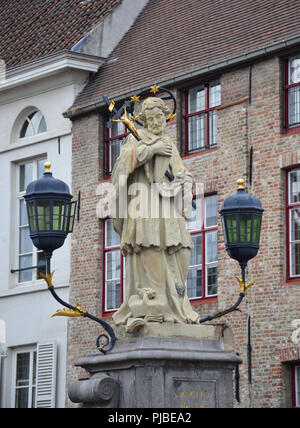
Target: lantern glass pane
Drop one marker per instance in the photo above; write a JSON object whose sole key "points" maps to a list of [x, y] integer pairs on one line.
{"points": [[231, 224], [31, 216], [43, 211], [245, 227], [72, 216], [58, 215], [256, 229], [211, 211], [224, 229]]}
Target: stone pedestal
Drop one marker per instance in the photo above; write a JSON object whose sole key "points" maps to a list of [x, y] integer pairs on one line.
{"points": [[159, 372]]}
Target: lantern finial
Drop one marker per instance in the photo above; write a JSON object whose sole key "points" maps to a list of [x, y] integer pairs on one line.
{"points": [[240, 183], [47, 165]]}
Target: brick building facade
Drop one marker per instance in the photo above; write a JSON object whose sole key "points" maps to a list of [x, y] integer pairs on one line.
{"points": [[258, 139]]}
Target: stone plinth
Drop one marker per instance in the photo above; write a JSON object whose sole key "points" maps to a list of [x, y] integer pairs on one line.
{"points": [[159, 372]]}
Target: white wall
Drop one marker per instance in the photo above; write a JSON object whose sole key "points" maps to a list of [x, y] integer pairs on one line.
{"points": [[26, 308]]}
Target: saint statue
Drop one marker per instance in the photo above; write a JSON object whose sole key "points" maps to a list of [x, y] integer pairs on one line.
{"points": [[156, 244]]}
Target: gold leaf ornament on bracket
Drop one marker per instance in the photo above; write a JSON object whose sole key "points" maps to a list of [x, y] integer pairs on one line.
{"points": [[70, 312]]}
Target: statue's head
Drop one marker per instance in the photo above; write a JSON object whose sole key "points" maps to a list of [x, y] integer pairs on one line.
{"points": [[154, 115]]}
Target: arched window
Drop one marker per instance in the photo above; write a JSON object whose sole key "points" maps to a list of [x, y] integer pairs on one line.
{"points": [[34, 124]]}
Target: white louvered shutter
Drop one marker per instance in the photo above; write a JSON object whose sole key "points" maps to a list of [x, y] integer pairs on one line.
{"points": [[46, 375]]}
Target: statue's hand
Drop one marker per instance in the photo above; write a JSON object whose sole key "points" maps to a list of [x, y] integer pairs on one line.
{"points": [[163, 148]]}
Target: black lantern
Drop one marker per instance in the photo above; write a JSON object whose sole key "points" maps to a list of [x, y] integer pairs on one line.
{"points": [[241, 218], [51, 216], [50, 212]]}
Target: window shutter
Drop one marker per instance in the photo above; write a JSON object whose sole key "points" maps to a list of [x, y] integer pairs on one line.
{"points": [[46, 375]]}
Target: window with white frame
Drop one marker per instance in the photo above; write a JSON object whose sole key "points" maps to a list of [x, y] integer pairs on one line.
{"points": [[292, 92], [34, 124], [115, 137], [25, 379], [114, 269], [202, 281], [28, 255], [201, 116], [34, 376], [293, 223]]}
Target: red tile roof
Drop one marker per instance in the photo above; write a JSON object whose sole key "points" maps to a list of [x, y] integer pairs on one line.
{"points": [[174, 37], [30, 29]]}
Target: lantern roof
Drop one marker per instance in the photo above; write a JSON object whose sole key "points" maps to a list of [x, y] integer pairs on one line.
{"points": [[48, 185], [241, 200]]}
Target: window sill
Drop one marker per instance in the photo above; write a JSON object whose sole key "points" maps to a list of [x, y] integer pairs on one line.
{"points": [[40, 138], [109, 314], [202, 301], [32, 287], [294, 281], [291, 131], [199, 153]]}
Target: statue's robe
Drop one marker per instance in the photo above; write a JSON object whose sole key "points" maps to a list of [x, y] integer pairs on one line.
{"points": [[157, 249]]}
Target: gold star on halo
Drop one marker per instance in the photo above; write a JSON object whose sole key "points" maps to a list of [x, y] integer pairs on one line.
{"points": [[154, 89], [171, 116], [134, 118], [135, 99]]}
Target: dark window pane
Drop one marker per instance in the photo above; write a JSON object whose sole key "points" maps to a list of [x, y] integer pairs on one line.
{"points": [[295, 259], [24, 262], [113, 265], [26, 175], [212, 280], [231, 228], [42, 127], [41, 262], [211, 211], [194, 283], [25, 243], [294, 106], [196, 99], [113, 295], [111, 237], [22, 377], [196, 132], [211, 247], [114, 152], [21, 401]]}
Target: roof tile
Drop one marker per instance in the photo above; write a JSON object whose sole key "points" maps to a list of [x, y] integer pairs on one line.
{"points": [[32, 29], [171, 38]]}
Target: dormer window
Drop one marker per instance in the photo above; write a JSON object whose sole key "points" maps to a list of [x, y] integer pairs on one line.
{"points": [[34, 124]]}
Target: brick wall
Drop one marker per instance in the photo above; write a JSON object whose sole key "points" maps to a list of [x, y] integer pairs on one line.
{"points": [[244, 120]]}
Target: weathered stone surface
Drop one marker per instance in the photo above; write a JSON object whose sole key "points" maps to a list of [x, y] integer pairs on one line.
{"points": [[159, 372], [168, 330], [99, 391]]}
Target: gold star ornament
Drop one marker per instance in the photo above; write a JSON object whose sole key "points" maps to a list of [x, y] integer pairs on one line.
{"points": [[154, 89], [171, 116], [134, 118], [135, 99]]}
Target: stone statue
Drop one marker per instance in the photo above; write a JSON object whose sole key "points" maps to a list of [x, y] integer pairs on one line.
{"points": [[157, 246]]}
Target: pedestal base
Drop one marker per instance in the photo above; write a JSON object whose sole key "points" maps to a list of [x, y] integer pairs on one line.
{"points": [[158, 372]]}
